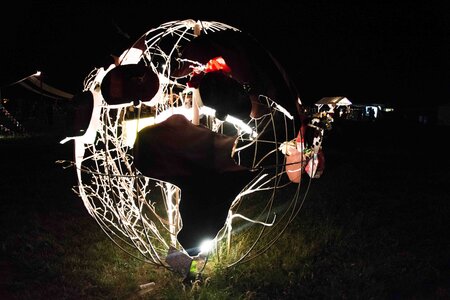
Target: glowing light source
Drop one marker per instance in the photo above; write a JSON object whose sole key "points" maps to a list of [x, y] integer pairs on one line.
{"points": [[206, 246]]}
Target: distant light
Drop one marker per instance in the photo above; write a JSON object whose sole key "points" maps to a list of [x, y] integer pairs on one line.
{"points": [[206, 246], [38, 73]]}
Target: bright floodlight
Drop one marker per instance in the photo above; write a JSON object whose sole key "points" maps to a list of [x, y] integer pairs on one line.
{"points": [[206, 246]]}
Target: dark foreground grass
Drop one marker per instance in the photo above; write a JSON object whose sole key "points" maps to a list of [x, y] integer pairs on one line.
{"points": [[374, 226]]}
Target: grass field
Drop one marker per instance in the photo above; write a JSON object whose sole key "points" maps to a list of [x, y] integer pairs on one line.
{"points": [[374, 226]]}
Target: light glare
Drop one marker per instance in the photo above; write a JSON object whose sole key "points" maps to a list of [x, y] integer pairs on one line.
{"points": [[206, 246]]}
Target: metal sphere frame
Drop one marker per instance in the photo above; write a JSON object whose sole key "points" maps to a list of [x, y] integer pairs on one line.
{"points": [[141, 214]]}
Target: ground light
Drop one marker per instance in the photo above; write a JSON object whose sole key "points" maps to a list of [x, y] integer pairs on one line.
{"points": [[206, 246]]}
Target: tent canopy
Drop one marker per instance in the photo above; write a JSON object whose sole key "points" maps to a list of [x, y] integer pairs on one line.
{"points": [[331, 103], [37, 86], [334, 101]]}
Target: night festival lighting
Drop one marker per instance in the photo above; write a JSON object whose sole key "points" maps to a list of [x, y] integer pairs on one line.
{"points": [[141, 209]]}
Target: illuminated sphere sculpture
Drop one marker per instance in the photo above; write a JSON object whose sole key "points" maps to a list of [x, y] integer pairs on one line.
{"points": [[194, 133]]}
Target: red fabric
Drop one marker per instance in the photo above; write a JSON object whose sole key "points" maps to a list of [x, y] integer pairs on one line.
{"points": [[217, 64], [213, 65]]}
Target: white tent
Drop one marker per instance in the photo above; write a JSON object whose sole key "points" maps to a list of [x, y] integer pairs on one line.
{"points": [[332, 103], [30, 114], [35, 85]]}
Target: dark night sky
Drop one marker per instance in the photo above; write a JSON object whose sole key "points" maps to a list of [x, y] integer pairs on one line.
{"points": [[379, 52]]}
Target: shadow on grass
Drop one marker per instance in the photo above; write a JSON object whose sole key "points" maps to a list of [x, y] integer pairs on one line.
{"points": [[374, 226]]}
